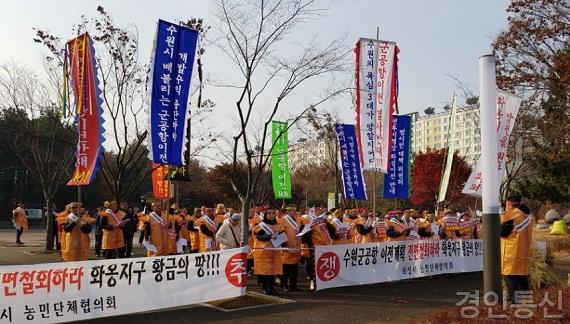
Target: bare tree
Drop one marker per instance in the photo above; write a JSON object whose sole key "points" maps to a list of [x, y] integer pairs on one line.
{"points": [[31, 128], [250, 34], [122, 79]]}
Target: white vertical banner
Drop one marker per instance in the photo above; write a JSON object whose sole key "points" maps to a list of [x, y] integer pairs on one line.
{"points": [[376, 81], [366, 61], [386, 101], [450, 150], [507, 109], [72, 291]]}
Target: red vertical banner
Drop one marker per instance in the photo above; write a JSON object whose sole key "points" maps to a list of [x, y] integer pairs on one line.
{"points": [[160, 186], [83, 71]]}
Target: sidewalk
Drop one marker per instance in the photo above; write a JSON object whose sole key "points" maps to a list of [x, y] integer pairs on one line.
{"points": [[396, 302]]}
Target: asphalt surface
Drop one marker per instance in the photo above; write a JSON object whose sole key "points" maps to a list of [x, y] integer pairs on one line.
{"points": [[397, 302]]}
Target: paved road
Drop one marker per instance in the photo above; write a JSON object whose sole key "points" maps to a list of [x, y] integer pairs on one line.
{"points": [[397, 302]]}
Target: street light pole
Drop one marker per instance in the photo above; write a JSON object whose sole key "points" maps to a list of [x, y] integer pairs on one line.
{"points": [[490, 189]]}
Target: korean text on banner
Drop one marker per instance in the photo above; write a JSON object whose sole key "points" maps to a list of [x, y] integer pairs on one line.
{"points": [[160, 182], [507, 110], [352, 178], [171, 72], [279, 161], [66, 292], [83, 70], [396, 181], [376, 99], [361, 264]]}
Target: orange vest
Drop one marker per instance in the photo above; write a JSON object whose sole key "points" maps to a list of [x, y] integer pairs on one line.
{"points": [[158, 234], [252, 224], [113, 239], [208, 243], [193, 237], [171, 232], [368, 238], [320, 235], [75, 244], [515, 249], [396, 226], [343, 235], [20, 218], [266, 262], [293, 241]]}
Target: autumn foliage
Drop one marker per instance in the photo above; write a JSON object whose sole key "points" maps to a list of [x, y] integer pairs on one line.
{"points": [[426, 177]]}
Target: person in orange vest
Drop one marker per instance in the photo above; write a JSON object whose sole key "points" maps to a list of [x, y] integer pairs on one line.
{"points": [[76, 229], [320, 234], [20, 221], [173, 229], [221, 211], [449, 225], [341, 228], [208, 226], [183, 232], [155, 230], [290, 258], [395, 229], [466, 228], [193, 232], [113, 241], [364, 228], [425, 227], [516, 240], [255, 217], [266, 260]]}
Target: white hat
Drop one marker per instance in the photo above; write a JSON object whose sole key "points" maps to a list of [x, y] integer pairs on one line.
{"points": [[236, 217]]}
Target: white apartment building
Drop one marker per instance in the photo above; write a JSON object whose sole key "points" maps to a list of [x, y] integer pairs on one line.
{"points": [[431, 132], [305, 153]]}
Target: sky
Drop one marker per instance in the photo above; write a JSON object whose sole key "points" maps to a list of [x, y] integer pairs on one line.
{"points": [[437, 39]]}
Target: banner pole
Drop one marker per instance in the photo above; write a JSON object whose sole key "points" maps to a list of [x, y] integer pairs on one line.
{"points": [[79, 196], [374, 190]]}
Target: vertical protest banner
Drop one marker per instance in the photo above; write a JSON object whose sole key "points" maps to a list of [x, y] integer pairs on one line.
{"points": [[396, 181], [80, 58], [73, 291], [171, 72], [376, 99], [279, 160], [450, 150], [507, 110], [160, 181], [352, 177]]}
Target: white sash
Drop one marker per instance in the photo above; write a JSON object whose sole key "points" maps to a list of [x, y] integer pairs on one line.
{"points": [[339, 224], [117, 220], [292, 222], [210, 223], [158, 219], [368, 223], [524, 224], [266, 229]]}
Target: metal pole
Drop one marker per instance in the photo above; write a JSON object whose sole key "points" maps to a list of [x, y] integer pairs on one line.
{"points": [[490, 188], [374, 190], [79, 197]]}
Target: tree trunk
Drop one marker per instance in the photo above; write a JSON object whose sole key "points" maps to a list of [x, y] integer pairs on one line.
{"points": [[245, 204], [50, 232]]}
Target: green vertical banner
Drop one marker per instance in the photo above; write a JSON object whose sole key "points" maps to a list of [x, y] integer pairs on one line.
{"points": [[279, 161]]}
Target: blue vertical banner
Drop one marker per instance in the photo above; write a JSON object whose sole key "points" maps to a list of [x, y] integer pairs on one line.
{"points": [[171, 71], [396, 181], [352, 178]]}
